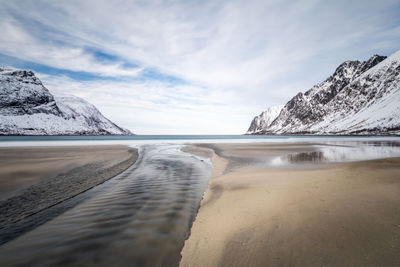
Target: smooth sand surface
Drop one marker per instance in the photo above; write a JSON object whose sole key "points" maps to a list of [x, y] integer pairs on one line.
{"points": [[34, 178], [330, 215]]}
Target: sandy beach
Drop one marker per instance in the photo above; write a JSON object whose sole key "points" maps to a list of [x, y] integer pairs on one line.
{"points": [[35, 178], [252, 214]]}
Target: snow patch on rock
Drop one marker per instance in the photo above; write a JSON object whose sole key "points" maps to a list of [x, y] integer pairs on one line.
{"points": [[264, 120]]}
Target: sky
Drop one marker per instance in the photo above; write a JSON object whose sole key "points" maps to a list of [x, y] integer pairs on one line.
{"points": [[191, 67]]}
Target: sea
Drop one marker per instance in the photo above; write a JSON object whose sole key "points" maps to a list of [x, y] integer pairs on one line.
{"points": [[175, 139]]}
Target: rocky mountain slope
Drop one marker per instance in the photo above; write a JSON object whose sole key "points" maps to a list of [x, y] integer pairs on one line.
{"points": [[28, 108], [264, 120], [360, 98]]}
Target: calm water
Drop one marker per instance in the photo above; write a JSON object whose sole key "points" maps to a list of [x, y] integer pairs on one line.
{"points": [[336, 151], [173, 139]]}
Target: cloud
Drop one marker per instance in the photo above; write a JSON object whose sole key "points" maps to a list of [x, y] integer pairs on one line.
{"points": [[16, 42], [243, 55], [151, 107]]}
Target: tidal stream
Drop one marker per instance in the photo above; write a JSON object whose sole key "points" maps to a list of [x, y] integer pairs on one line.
{"points": [[138, 218]]}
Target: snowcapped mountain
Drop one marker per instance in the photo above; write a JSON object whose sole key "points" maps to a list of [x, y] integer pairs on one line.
{"points": [[359, 98], [264, 120], [28, 108]]}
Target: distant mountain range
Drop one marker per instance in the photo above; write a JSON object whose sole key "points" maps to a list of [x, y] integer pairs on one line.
{"points": [[28, 108], [360, 98]]}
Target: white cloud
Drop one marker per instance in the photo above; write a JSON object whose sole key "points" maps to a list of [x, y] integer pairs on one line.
{"points": [[149, 107], [16, 42]]}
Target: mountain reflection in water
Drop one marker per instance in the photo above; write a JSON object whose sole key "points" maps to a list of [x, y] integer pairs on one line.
{"points": [[335, 152]]}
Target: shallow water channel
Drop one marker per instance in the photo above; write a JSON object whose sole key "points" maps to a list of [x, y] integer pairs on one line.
{"points": [[138, 218]]}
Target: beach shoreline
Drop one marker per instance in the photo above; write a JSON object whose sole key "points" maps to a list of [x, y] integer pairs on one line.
{"points": [[340, 214], [253, 213]]}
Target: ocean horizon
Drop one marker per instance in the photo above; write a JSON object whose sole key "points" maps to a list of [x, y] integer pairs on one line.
{"points": [[46, 140]]}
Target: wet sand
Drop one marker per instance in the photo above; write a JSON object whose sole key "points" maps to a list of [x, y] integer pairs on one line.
{"points": [[140, 217], [35, 178], [344, 214]]}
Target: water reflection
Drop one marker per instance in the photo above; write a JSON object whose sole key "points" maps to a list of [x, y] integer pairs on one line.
{"points": [[340, 151], [314, 157]]}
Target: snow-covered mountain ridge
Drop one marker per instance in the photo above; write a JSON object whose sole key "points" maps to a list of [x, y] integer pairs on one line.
{"points": [[28, 108], [360, 98], [265, 119]]}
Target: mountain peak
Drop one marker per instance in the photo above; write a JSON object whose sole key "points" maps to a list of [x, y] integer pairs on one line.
{"points": [[358, 98], [264, 119], [28, 108]]}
